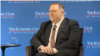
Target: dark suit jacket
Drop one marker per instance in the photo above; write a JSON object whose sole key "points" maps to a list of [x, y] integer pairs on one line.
{"points": [[67, 38]]}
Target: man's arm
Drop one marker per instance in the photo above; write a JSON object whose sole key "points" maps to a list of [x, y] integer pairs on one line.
{"points": [[35, 41], [73, 39]]}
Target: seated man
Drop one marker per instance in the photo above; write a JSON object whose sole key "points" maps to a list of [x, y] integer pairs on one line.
{"points": [[58, 37]]}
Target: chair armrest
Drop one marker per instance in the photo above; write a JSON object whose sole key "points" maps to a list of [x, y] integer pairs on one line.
{"points": [[28, 50]]}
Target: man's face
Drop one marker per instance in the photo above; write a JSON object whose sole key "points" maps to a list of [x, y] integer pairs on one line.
{"points": [[55, 13]]}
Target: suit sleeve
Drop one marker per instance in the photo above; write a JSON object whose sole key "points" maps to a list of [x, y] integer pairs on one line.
{"points": [[73, 38], [35, 41]]}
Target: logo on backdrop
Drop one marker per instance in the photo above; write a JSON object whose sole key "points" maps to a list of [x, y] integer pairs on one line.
{"points": [[93, 44], [43, 14], [93, 13], [24, 2], [7, 15], [77, 1], [88, 29], [17, 30]]}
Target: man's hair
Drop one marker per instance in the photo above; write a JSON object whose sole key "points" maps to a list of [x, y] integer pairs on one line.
{"points": [[61, 6]]}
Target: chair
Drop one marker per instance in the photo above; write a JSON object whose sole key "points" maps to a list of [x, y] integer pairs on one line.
{"points": [[30, 50]]}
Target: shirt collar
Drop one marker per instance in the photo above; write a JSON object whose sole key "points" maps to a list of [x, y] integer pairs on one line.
{"points": [[58, 24]]}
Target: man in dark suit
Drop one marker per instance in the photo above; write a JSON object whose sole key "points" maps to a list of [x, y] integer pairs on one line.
{"points": [[58, 37]]}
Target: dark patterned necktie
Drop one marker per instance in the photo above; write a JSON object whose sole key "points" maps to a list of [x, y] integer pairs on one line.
{"points": [[52, 41]]}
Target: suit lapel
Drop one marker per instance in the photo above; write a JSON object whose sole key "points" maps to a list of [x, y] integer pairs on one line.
{"points": [[47, 33], [49, 30], [63, 24]]}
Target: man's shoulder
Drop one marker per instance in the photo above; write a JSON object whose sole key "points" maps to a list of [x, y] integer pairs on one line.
{"points": [[71, 21], [46, 23]]}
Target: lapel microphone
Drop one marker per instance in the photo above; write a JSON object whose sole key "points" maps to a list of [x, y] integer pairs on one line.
{"points": [[53, 28]]}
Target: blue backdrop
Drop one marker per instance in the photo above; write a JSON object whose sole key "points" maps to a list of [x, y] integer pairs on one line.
{"points": [[22, 19]]}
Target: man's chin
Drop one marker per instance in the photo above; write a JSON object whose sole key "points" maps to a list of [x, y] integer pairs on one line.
{"points": [[52, 20]]}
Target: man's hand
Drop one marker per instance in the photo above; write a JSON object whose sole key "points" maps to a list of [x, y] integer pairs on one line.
{"points": [[47, 50]]}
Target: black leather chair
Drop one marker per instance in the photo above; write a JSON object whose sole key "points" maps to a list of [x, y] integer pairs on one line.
{"points": [[30, 50]]}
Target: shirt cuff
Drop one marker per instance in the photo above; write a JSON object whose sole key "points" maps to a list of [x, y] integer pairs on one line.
{"points": [[39, 47], [55, 50]]}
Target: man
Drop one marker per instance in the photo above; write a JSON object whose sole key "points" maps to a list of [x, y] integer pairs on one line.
{"points": [[58, 37]]}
